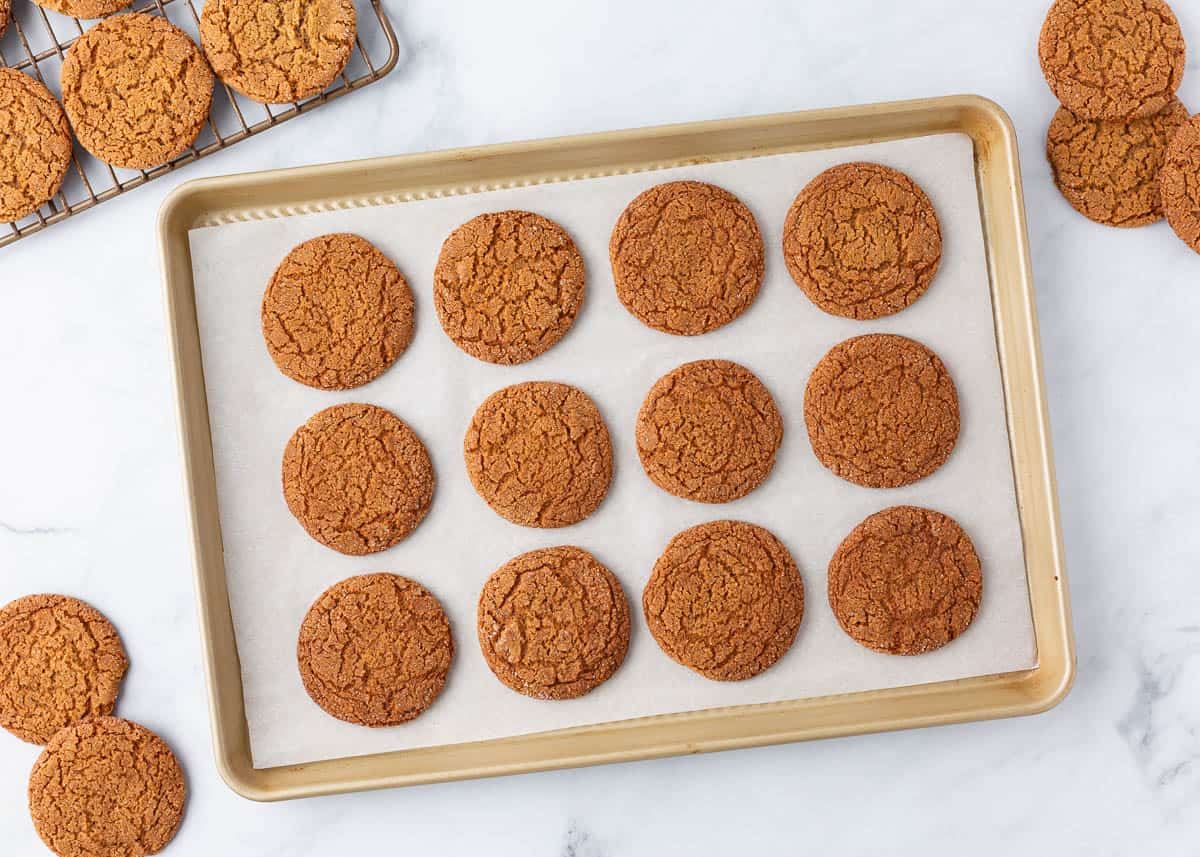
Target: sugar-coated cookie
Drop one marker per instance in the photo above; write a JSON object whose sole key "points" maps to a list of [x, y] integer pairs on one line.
{"points": [[725, 599], [862, 240], [881, 411], [905, 581], [375, 650], [106, 787], [35, 144], [276, 51], [61, 661], [553, 623], [336, 313], [357, 478], [687, 257], [137, 90], [540, 454], [1112, 59]]}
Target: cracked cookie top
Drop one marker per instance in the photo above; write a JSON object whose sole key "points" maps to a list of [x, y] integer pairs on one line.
{"points": [[508, 286], [60, 661], [1108, 171], [5, 14], [553, 623], [1112, 59], [1179, 183], [106, 787], [375, 650], [276, 51], [687, 257], [137, 90], [862, 240], [357, 478], [881, 411], [725, 599], [336, 313], [85, 9], [540, 454], [905, 581], [708, 431], [35, 144]]}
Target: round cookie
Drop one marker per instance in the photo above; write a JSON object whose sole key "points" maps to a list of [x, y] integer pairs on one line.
{"points": [[276, 51], [708, 431], [687, 257], [60, 662], [725, 599], [375, 650], [35, 144], [106, 787], [905, 581], [85, 9], [336, 313], [5, 14], [881, 411], [553, 623], [137, 90], [357, 478], [508, 286], [1112, 59], [1179, 183], [862, 240], [539, 453], [1108, 171]]}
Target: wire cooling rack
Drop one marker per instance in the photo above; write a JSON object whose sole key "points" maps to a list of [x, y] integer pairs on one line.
{"points": [[37, 41]]}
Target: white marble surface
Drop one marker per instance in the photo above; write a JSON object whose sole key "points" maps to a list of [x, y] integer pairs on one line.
{"points": [[91, 501]]}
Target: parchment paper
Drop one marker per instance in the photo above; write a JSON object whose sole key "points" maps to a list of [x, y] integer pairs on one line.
{"points": [[275, 570]]}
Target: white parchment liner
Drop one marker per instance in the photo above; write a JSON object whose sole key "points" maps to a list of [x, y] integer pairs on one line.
{"points": [[275, 570]]}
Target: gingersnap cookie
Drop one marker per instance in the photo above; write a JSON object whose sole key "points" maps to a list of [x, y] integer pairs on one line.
{"points": [[106, 787], [1179, 183], [1112, 59], [881, 411], [336, 313], [725, 599], [35, 144], [60, 661], [905, 581], [553, 623], [708, 431], [687, 257], [375, 650], [276, 51], [357, 478], [5, 14], [1108, 171], [539, 453], [862, 240], [508, 286], [85, 9], [137, 90]]}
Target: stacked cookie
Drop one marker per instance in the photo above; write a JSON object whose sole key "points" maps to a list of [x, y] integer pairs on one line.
{"points": [[1122, 147], [137, 90], [103, 787], [725, 598]]}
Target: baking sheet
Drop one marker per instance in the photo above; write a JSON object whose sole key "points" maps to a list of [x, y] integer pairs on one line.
{"points": [[275, 570]]}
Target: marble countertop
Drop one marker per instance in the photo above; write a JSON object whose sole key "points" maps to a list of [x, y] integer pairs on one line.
{"points": [[91, 501]]}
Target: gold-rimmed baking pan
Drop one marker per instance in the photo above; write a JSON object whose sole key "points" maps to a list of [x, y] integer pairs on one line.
{"points": [[225, 200]]}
